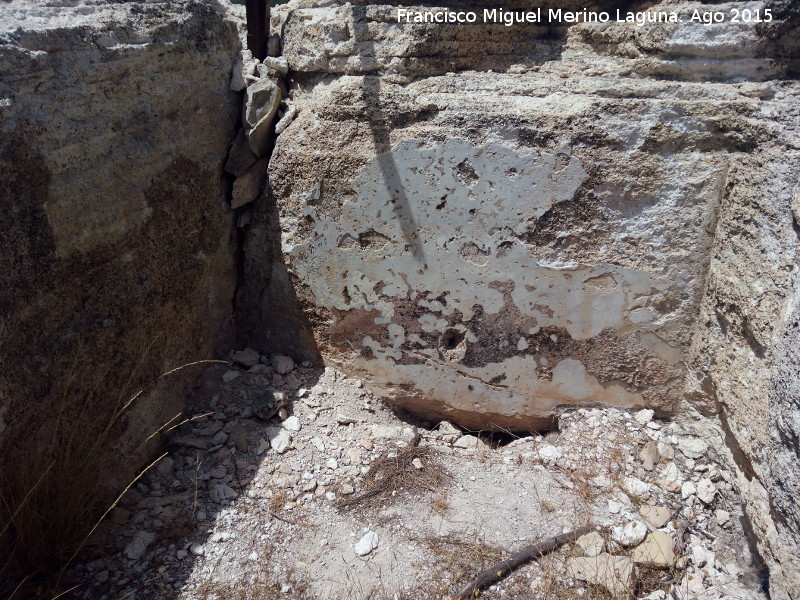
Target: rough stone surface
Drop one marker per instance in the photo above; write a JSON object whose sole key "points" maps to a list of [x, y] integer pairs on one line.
{"points": [[614, 573], [661, 204], [657, 516], [116, 250], [248, 186], [591, 544], [488, 274], [656, 550], [240, 157], [261, 103]]}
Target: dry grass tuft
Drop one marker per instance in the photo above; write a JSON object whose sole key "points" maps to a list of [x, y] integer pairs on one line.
{"points": [[458, 561], [60, 472], [394, 474]]}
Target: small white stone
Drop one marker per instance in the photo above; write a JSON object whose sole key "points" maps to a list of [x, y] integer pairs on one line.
{"points": [[417, 463], [548, 452], [367, 544], [279, 439], [706, 490], [635, 486], [332, 463], [688, 489], [630, 534], [466, 442], [291, 423], [643, 417], [614, 507], [692, 447], [722, 516], [666, 450]]}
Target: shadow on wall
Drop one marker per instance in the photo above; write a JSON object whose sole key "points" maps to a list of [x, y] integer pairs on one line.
{"points": [[269, 301]]}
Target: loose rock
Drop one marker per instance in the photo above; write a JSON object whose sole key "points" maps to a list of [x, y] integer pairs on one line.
{"points": [[657, 516], [282, 364], [630, 534], [138, 545], [657, 550], [614, 573], [367, 544]]}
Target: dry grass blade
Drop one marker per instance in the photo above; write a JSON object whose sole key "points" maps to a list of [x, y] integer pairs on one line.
{"points": [[395, 474], [59, 473]]}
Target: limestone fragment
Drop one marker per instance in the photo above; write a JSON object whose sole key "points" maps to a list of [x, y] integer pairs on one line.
{"points": [[240, 157], [466, 442], [722, 517], [229, 376], [285, 120], [277, 63], [243, 67], [615, 573], [692, 447], [248, 186], [688, 489], [706, 490], [449, 432], [549, 453], [649, 456], [279, 439], [657, 550], [282, 364], [247, 357], [657, 516], [643, 417], [635, 486], [291, 423], [138, 545], [591, 544], [367, 544], [630, 534], [262, 102]]}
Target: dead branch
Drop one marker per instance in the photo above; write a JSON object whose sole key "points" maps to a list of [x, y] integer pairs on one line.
{"points": [[504, 568]]}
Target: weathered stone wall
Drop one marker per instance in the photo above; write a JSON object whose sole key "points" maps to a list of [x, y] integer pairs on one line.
{"points": [[117, 244], [487, 246], [746, 353], [486, 223]]}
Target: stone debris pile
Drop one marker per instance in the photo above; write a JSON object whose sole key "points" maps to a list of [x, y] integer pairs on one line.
{"points": [[273, 465], [266, 113]]}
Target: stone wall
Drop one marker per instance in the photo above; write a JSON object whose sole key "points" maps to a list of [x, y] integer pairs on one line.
{"points": [[488, 244], [745, 353], [117, 245], [488, 223]]}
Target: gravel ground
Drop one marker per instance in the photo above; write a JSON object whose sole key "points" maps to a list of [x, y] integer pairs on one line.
{"points": [[336, 496]]}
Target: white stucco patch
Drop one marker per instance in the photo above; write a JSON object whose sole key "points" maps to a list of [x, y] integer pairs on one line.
{"points": [[447, 221], [443, 228]]}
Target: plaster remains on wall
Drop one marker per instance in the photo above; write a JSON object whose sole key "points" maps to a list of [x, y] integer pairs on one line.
{"points": [[429, 261]]}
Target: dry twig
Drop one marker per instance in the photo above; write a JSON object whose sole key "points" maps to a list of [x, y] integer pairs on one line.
{"points": [[504, 568]]}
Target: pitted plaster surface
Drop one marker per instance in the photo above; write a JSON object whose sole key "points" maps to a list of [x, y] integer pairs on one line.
{"points": [[434, 243]]}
